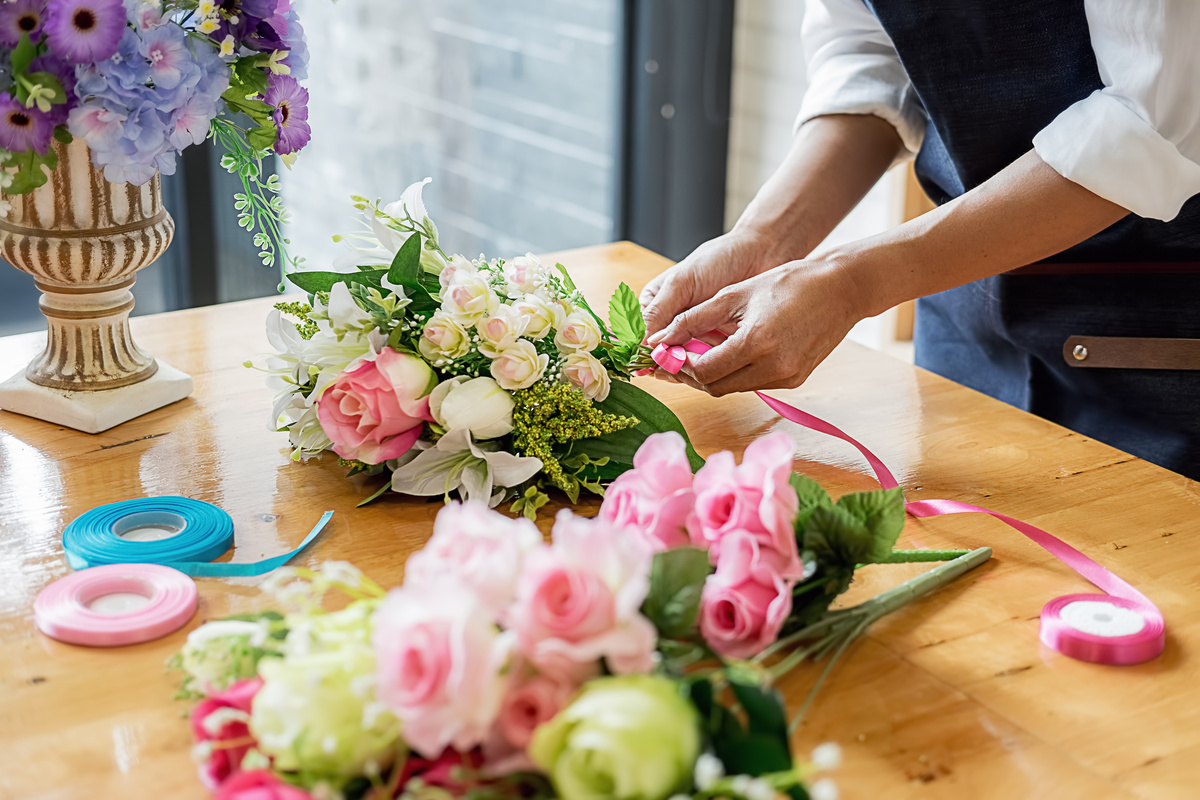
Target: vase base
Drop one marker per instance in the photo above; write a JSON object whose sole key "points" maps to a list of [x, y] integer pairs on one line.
{"points": [[93, 412]]}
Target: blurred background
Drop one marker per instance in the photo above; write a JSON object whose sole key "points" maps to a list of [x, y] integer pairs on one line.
{"points": [[545, 125]]}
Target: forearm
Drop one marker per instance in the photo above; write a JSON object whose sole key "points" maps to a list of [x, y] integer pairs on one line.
{"points": [[833, 162], [1023, 214]]}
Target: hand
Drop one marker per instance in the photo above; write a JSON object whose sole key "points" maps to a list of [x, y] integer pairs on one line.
{"points": [[712, 266], [784, 323]]}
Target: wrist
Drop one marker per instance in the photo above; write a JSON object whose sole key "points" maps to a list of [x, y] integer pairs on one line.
{"points": [[870, 274]]}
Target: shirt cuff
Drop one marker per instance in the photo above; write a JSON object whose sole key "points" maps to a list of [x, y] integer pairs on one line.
{"points": [[1104, 146], [866, 84]]}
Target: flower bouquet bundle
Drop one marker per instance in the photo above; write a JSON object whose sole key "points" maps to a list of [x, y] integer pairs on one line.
{"points": [[493, 379], [140, 80], [630, 657]]}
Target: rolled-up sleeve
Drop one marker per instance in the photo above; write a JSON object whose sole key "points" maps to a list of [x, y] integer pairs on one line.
{"points": [[1136, 142], [853, 68]]}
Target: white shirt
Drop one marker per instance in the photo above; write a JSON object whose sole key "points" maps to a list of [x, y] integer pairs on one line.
{"points": [[1136, 142]]}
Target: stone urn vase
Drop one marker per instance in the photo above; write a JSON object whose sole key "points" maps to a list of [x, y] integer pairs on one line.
{"points": [[83, 240]]}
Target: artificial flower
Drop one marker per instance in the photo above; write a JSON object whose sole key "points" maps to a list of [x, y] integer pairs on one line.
{"points": [[541, 317], [443, 338], [655, 498], [578, 333], [478, 405], [531, 699], [519, 365], [220, 728], [745, 602], [500, 330], [218, 654], [19, 17], [377, 411], [83, 31], [579, 598], [259, 784], [635, 737], [524, 275], [440, 664], [586, 372], [459, 461], [290, 101], [482, 547], [469, 298], [22, 128]]}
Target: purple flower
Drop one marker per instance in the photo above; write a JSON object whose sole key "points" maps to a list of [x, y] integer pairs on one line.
{"points": [[290, 100], [168, 55], [82, 31], [23, 129], [21, 16]]}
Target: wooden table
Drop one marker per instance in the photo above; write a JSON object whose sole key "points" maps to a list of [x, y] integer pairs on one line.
{"points": [[952, 697]]}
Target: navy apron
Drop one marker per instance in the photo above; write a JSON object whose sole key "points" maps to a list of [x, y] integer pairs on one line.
{"points": [[990, 76]]}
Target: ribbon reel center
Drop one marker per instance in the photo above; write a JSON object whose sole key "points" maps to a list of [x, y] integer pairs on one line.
{"points": [[1102, 618], [149, 526], [116, 596]]}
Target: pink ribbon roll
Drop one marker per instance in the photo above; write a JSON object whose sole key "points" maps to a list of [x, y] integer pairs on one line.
{"points": [[1120, 627], [64, 609]]}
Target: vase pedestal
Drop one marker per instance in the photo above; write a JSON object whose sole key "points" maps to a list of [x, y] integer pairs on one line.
{"points": [[93, 412]]}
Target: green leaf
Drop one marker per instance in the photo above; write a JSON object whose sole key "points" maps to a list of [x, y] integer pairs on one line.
{"points": [[23, 55], [315, 281], [811, 497], [765, 709], [676, 581], [753, 754], [376, 495], [882, 512], [406, 266], [263, 137], [835, 534], [568, 284], [625, 399], [29, 174], [625, 317], [61, 134]]}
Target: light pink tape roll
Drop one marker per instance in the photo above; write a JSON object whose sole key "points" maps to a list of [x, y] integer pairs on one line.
{"points": [[1121, 627], [62, 610]]}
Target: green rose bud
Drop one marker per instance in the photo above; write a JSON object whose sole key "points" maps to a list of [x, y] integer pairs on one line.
{"points": [[633, 737], [317, 714], [218, 654]]}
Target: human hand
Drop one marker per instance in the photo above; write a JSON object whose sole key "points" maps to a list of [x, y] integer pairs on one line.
{"points": [[782, 324], [719, 262]]}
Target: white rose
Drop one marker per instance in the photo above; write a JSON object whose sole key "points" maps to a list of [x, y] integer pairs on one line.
{"points": [[478, 405], [469, 298], [459, 265], [586, 372], [519, 366], [579, 332], [443, 338], [524, 274], [500, 330], [540, 316]]}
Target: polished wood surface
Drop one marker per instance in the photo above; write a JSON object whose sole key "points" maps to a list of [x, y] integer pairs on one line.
{"points": [[952, 697]]}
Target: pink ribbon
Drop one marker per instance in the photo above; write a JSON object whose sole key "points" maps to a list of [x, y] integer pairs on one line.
{"points": [[1120, 627]]}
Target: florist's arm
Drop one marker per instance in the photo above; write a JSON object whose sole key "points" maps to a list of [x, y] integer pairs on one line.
{"points": [[833, 162], [787, 320]]}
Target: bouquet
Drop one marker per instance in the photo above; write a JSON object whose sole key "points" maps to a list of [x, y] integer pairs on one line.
{"points": [[631, 657], [140, 80], [495, 380]]}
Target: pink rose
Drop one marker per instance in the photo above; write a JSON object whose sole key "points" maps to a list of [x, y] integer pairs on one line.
{"points": [[745, 602], [220, 729], [482, 547], [654, 498], [376, 412], [578, 599], [440, 660], [451, 771], [259, 784], [532, 698], [755, 497]]}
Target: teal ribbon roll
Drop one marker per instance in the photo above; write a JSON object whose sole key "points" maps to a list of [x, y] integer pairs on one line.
{"points": [[204, 533]]}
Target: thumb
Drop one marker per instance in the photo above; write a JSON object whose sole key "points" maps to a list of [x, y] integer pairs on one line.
{"points": [[667, 299], [696, 322]]}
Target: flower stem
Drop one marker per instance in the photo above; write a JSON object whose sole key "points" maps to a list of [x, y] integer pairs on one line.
{"points": [[907, 556]]}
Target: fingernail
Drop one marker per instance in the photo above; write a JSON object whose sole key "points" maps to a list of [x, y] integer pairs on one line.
{"points": [[656, 338]]}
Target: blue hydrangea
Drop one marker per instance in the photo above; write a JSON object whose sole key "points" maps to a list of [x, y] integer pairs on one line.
{"points": [[156, 96]]}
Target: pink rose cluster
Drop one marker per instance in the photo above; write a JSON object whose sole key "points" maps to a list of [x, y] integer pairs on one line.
{"points": [[494, 630], [741, 514]]}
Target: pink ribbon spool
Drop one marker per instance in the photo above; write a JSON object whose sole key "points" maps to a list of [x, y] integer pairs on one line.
{"points": [[63, 610], [1120, 627]]}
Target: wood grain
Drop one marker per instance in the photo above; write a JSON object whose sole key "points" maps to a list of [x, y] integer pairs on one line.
{"points": [[950, 698]]}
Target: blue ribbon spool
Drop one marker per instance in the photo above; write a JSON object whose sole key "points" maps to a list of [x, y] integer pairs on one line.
{"points": [[204, 532]]}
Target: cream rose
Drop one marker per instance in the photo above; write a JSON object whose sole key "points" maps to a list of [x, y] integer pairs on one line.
{"points": [[443, 338], [541, 317], [476, 404], [500, 330], [519, 366], [524, 274], [586, 372], [579, 332], [469, 298]]}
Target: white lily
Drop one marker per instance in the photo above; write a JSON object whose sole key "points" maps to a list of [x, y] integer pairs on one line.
{"points": [[458, 462]]}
